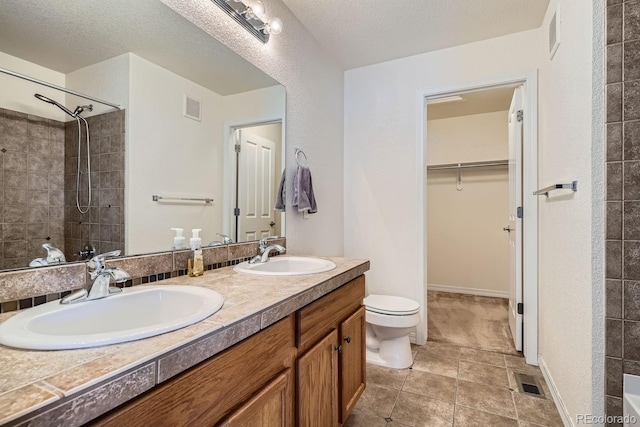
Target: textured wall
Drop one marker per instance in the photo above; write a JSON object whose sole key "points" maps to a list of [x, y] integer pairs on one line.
{"points": [[598, 209], [382, 123], [565, 220], [172, 156], [314, 121]]}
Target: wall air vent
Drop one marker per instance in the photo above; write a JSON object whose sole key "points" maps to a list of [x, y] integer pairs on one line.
{"points": [[192, 108], [554, 33]]}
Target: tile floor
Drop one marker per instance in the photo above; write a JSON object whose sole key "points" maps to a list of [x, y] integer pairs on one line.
{"points": [[455, 384]]}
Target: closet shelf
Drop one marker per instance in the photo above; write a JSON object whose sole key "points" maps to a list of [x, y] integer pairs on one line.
{"points": [[468, 165]]}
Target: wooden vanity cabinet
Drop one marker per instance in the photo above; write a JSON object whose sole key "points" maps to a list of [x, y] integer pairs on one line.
{"points": [[272, 406], [353, 360], [308, 369], [331, 366], [318, 383], [245, 382]]}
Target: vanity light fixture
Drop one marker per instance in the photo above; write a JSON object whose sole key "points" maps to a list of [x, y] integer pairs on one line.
{"points": [[442, 100], [251, 16]]}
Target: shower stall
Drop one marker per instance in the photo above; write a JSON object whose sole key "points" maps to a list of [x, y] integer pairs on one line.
{"points": [[62, 181]]}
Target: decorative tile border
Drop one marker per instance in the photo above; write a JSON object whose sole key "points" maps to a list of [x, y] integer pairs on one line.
{"points": [[28, 288]]}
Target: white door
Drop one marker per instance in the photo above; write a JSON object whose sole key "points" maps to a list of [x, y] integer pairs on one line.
{"points": [[256, 178], [515, 224]]}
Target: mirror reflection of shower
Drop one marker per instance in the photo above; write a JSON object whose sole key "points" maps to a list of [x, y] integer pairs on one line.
{"points": [[76, 115]]}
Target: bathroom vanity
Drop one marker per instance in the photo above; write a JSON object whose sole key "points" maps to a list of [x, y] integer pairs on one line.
{"points": [[282, 351], [318, 351]]}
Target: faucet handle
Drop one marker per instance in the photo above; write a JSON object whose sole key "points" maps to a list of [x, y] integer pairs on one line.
{"points": [[106, 255], [225, 239], [96, 264], [263, 242], [54, 255]]}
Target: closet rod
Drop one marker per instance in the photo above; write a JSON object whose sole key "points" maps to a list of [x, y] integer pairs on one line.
{"points": [[468, 165]]}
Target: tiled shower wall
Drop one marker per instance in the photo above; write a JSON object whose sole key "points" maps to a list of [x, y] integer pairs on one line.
{"points": [[622, 315], [31, 187], [103, 225]]}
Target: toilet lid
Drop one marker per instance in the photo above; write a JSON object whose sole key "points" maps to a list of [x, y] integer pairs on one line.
{"points": [[388, 304]]}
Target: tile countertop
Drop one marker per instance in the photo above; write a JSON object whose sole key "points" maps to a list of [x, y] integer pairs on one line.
{"points": [[79, 385]]}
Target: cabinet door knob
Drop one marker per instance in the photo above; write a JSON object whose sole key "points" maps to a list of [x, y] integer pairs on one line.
{"points": [[339, 348], [348, 339]]}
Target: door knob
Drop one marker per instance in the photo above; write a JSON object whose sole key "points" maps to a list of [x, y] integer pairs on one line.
{"points": [[348, 339], [272, 223], [339, 348], [508, 229]]}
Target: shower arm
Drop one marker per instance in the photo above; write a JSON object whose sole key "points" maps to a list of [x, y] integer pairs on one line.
{"points": [[60, 88]]}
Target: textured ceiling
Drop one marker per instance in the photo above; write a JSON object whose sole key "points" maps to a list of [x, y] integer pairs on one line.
{"points": [[486, 101], [66, 35], [360, 33]]}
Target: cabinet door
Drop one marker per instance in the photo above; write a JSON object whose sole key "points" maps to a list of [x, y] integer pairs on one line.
{"points": [[318, 384], [271, 406], [352, 362]]}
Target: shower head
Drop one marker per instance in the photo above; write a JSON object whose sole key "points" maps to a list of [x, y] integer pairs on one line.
{"points": [[80, 108], [60, 106]]}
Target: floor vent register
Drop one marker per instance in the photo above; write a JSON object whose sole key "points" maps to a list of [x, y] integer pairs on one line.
{"points": [[528, 385]]}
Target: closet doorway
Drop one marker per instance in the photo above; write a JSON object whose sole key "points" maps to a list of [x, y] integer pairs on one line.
{"points": [[477, 151]]}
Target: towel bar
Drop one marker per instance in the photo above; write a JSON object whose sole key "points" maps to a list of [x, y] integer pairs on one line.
{"points": [[571, 186], [157, 198]]}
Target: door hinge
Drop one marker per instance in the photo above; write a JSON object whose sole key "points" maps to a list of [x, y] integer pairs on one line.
{"points": [[236, 211], [237, 148], [519, 212], [520, 115], [520, 308]]}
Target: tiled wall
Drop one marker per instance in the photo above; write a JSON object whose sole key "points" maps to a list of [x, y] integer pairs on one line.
{"points": [[28, 288], [31, 187], [103, 224], [622, 322]]}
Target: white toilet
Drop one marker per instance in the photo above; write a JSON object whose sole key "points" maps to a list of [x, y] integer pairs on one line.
{"points": [[390, 320]]}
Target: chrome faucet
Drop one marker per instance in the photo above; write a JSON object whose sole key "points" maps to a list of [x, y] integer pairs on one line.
{"points": [[101, 277], [262, 246], [54, 256], [225, 240], [265, 254]]}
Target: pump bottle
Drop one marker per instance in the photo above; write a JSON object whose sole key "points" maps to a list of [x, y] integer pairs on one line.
{"points": [[178, 240], [195, 265]]}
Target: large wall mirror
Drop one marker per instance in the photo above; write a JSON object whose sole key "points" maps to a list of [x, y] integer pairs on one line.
{"points": [[199, 128]]}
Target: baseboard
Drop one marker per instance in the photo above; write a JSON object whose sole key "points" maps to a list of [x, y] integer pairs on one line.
{"points": [[469, 291], [562, 409]]}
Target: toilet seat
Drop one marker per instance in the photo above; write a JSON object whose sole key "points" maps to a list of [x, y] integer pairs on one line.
{"points": [[391, 305]]}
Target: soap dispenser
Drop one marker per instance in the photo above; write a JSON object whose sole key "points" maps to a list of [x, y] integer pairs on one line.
{"points": [[178, 240], [195, 266]]}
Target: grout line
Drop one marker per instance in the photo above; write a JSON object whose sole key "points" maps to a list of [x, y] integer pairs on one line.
{"points": [[515, 408]]}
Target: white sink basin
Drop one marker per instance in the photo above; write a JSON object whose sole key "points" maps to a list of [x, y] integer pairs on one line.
{"points": [[286, 266], [138, 312]]}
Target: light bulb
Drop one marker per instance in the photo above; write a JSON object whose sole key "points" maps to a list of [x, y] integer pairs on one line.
{"points": [[258, 8], [248, 13], [275, 26]]}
